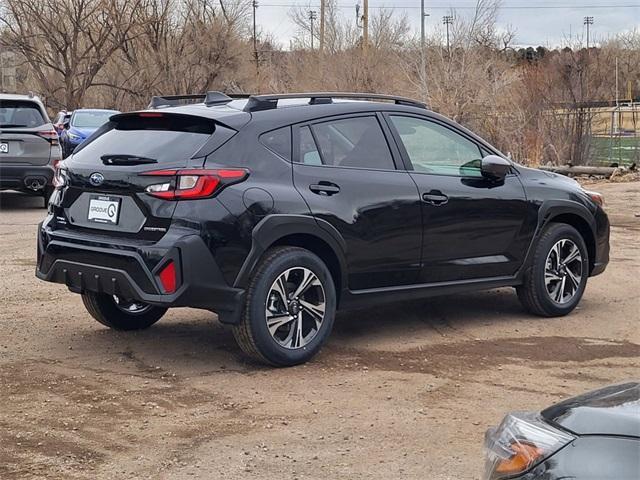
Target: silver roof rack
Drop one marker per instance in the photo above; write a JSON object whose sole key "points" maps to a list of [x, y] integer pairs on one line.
{"points": [[257, 103], [209, 99]]}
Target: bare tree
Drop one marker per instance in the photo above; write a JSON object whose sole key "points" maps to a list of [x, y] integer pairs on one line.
{"points": [[67, 43]]}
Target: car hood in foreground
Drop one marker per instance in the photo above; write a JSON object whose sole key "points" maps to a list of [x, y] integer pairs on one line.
{"points": [[613, 410]]}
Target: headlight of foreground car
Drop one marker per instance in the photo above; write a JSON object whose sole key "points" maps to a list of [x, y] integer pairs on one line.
{"points": [[521, 441]]}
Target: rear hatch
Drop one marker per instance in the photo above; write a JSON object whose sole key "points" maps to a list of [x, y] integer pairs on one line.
{"points": [[105, 186], [26, 135]]}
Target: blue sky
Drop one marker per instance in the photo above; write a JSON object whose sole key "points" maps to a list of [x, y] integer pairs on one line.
{"points": [[549, 22]]}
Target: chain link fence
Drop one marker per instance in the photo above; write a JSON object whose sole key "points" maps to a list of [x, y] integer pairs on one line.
{"points": [[615, 136]]}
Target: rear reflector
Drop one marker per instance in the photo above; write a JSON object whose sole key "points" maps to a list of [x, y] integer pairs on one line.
{"points": [[193, 184], [167, 277]]}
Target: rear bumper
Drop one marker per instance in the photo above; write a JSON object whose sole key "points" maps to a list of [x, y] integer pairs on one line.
{"points": [[131, 273], [12, 177]]}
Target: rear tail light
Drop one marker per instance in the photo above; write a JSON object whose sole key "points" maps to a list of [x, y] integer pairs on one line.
{"points": [[168, 277], [60, 174], [50, 135], [596, 197], [193, 184]]}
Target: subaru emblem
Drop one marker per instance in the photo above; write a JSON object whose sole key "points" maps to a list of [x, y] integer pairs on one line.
{"points": [[96, 179]]}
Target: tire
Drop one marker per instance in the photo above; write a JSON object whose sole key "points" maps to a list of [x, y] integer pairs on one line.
{"points": [[550, 300], [281, 346], [107, 311]]}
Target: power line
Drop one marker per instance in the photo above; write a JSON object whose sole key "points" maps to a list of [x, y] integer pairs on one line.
{"points": [[461, 7]]}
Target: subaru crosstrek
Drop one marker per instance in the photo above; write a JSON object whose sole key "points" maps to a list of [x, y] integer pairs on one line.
{"points": [[274, 211]]}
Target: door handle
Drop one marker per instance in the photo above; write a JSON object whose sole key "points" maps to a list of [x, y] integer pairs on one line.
{"points": [[435, 197], [325, 188]]}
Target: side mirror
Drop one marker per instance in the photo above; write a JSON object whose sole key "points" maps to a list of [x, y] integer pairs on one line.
{"points": [[495, 168], [66, 124]]}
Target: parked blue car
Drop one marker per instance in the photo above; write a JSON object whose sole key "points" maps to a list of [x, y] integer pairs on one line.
{"points": [[82, 123]]}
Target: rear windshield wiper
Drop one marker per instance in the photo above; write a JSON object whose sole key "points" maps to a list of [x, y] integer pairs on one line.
{"points": [[121, 159]]}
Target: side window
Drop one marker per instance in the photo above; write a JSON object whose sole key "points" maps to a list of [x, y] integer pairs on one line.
{"points": [[353, 142], [278, 141], [309, 154], [435, 149]]}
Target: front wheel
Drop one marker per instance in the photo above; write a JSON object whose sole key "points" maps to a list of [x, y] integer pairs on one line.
{"points": [[119, 313], [290, 308], [557, 277]]}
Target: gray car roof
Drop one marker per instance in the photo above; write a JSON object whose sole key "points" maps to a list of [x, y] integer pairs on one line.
{"points": [[19, 96]]}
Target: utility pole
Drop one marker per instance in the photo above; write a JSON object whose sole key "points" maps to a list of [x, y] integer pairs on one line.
{"points": [[588, 21], [423, 15], [365, 25], [448, 20], [312, 17], [255, 38], [423, 60], [1, 72], [322, 26], [617, 85]]}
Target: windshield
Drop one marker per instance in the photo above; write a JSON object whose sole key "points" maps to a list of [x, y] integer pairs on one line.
{"points": [[18, 113], [90, 119]]}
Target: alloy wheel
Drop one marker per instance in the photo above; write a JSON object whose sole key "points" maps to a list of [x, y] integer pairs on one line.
{"points": [[130, 306], [295, 308], [563, 271]]}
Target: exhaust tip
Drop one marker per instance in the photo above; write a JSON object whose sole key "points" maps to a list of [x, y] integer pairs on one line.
{"points": [[35, 183]]}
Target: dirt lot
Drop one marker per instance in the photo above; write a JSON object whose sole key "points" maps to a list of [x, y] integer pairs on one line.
{"points": [[400, 392]]}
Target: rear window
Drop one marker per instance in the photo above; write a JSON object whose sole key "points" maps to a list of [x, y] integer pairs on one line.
{"points": [[167, 138], [88, 119], [20, 113]]}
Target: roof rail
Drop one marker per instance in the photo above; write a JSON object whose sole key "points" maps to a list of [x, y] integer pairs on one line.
{"points": [[257, 103], [209, 99]]}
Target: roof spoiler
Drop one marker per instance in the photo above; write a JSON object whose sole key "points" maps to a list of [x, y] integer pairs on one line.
{"points": [[257, 103], [209, 99]]}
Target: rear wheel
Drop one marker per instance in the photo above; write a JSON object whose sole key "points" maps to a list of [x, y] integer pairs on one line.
{"points": [[557, 278], [120, 314], [290, 308]]}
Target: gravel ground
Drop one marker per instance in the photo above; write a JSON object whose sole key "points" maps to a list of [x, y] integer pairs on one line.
{"points": [[403, 391]]}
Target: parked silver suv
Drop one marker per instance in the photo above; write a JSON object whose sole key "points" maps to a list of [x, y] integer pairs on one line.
{"points": [[29, 146]]}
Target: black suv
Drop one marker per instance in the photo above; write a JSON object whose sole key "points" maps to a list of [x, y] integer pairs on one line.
{"points": [[275, 210]]}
